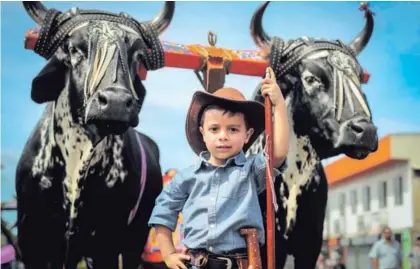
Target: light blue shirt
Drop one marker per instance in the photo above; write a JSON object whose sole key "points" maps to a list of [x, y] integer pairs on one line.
{"points": [[388, 255], [216, 202]]}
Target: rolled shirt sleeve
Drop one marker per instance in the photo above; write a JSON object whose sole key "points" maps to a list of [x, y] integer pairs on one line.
{"points": [[259, 168], [373, 253], [169, 203]]}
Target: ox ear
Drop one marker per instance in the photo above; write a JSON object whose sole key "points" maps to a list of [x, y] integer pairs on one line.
{"points": [[47, 85]]}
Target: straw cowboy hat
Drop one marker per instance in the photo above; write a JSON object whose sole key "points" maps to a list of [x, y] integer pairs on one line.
{"points": [[225, 97]]}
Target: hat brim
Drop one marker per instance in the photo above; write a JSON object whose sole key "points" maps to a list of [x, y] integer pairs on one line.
{"points": [[253, 110]]}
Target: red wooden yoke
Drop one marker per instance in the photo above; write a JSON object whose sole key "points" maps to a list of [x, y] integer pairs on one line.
{"points": [[212, 61]]}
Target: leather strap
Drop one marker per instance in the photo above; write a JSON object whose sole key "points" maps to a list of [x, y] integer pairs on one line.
{"points": [[143, 168]]}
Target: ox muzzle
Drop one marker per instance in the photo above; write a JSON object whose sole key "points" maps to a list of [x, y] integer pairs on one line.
{"points": [[357, 138], [112, 111]]}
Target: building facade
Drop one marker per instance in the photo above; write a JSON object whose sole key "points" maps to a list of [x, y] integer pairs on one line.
{"points": [[366, 195]]}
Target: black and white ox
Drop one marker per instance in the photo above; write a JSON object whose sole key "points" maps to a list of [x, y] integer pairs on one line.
{"points": [[87, 180], [329, 115]]}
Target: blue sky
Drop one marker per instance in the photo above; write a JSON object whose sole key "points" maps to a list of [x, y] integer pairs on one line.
{"points": [[392, 57]]}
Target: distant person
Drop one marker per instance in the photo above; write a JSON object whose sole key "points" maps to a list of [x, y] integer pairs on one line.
{"points": [[386, 252], [320, 264], [339, 264], [337, 259], [415, 254]]}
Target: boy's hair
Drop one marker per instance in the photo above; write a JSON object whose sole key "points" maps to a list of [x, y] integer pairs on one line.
{"points": [[229, 110]]}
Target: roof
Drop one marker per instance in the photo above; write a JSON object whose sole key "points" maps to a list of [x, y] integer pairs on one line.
{"points": [[392, 148]]}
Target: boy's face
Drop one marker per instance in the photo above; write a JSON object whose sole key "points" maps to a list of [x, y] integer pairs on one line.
{"points": [[224, 134]]}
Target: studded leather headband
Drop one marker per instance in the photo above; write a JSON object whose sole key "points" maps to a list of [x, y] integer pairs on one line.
{"points": [[57, 25]]}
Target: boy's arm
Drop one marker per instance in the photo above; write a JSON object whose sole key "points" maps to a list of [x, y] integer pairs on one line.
{"points": [[269, 87], [373, 255], [169, 203], [164, 240], [167, 249], [280, 146], [280, 132]]}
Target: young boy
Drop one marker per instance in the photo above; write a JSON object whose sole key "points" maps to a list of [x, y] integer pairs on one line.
{"points": [[219, 194]]}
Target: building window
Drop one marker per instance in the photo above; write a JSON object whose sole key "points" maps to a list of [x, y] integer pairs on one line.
{"points": [[342, 204], [361, 224], [337, 227], [382, 194], [398, 191], [366, 198], [353, 201]]}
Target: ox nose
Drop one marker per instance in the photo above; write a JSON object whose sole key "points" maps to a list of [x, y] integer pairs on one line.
{"points": [[362, 132], [112, 101], [360, 125]]}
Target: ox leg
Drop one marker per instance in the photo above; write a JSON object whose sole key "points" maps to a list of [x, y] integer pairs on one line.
{"points": [[136, 238], [41, 226], [74, 252], [104, 259], [306, 238], [40, 243], [133, 248], [102, 252]]}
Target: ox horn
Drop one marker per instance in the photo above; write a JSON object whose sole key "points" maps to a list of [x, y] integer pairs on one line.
{"points": [[360, 42], [260, 37], [164, 18], [36, 10]]}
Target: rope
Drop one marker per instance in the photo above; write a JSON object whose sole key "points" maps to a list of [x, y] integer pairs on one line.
{"points": [[270, 176]]}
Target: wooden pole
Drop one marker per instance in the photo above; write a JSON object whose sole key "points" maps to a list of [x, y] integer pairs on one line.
{"points": [[271, 262]]}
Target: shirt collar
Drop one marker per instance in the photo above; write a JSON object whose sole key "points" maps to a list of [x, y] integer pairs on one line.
{"points": [[238, 159]]}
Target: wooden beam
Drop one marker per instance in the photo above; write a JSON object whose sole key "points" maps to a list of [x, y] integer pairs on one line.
{"points": [[242, 62]]}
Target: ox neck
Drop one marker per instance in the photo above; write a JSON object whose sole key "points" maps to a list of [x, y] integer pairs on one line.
{"points": [[302, 162], [301, 146], [79, 153], [67, 132]]}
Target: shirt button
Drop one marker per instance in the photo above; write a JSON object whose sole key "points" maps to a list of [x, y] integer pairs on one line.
{"points": [[211, 226], [217, 174], [210, 248]]}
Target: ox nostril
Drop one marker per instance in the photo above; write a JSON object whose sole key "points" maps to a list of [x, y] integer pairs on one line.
{"points": [[129, 102], [102, 99], [357, 128]]}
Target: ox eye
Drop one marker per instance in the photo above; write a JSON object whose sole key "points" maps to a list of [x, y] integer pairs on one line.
{"points": [[72, 49], [75, 55], [312, 79]]}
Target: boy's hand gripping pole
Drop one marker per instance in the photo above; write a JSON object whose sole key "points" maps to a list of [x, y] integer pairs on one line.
{"points": [[271, 262]]}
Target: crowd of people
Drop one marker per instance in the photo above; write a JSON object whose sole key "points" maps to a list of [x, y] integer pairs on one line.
{"points": [[385, 253]]}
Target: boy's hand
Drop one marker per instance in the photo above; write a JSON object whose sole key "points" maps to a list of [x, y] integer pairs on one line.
{"points": [[176, 260], [270, 87]]}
